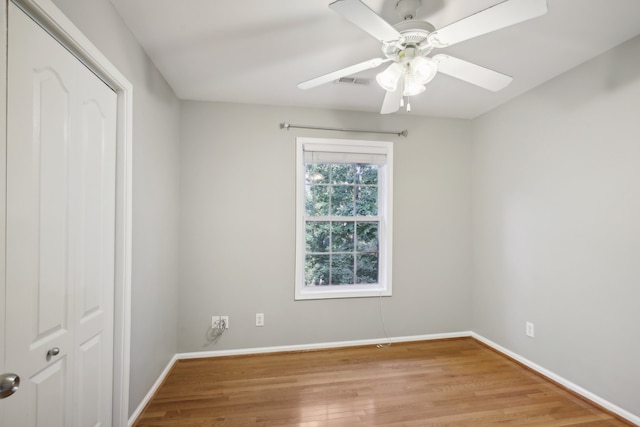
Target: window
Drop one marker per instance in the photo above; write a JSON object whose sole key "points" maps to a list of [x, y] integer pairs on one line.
{"points": [[343, 218]]}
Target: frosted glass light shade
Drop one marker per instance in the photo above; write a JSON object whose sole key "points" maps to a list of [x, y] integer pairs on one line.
{"points": [[412, 86], [390, 77], [423, 69]]}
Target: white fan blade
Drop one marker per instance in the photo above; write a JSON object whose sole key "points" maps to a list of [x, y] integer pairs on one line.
{"points": [[502, 15], [326, 78], [472, 73], [392, 100], [360, 14]]}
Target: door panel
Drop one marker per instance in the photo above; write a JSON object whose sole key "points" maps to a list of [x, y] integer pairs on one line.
{"points": [[88, 368], [60, 233], [96, 260], [38, 236], [50, 381], [48, 200]]}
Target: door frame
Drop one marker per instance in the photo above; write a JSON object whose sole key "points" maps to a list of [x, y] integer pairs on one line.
{"points": [[61, 28]]}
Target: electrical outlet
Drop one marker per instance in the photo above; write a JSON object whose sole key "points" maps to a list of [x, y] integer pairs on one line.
{"points": [[225, 319], [529, 330], [259, 319], [216, 322]]}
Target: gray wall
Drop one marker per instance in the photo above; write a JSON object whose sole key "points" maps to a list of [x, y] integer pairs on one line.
{"points": [[155, 192], [237, 180], [556, 186]]}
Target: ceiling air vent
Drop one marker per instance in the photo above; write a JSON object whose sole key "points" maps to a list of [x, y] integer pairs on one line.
{"points": [[357, 81]]}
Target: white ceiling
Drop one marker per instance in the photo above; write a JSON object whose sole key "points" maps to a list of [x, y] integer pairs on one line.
{"points": [[257, 51]]}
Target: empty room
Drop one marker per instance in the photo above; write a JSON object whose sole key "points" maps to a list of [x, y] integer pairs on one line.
{"points": [[320, 213]]}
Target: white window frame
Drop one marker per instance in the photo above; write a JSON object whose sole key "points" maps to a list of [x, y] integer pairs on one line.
{"points": [[385, 218]]}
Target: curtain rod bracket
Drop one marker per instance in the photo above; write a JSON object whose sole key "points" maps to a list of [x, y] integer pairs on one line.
{"points": [[287, 126]]}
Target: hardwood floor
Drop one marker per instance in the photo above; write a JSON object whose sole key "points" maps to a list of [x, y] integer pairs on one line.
{"points": [[457, 382]]}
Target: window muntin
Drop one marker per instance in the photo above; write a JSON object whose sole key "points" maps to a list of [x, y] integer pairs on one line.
{"points": [[343, 220]]}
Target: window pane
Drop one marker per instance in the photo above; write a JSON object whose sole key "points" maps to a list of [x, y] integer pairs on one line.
{"points": [[343, 218], [367, 236], [316, 270], [342, 200], [366, 174], [342, 236], [367, 268], [317, 200], [317, 236], [316, 173], [342, 173], [367, 201], [342, 270]]}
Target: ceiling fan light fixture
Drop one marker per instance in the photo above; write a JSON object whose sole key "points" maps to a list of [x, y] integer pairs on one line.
{"points": [[390, 77], [423, 69], [412, 86]]}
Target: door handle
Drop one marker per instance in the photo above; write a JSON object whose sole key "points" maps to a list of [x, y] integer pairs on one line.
{"points": [[52, 352], [9, 384]]}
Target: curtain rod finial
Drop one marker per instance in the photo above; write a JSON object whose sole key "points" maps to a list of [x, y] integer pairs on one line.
{"points": [[404, 133], [285, 126]]}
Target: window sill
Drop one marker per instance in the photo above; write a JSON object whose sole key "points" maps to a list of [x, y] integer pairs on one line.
{"points": [[353, 291]]}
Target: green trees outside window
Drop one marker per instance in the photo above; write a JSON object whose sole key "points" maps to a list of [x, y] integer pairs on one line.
{"points": [[341, 224]]}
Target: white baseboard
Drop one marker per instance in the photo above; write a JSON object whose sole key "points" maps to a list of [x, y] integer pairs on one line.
{"points": [[320, 346], [134, 417], [562, 381], [302, 347]]}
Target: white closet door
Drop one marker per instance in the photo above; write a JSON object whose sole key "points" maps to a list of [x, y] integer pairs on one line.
{"points": [[60, 233]]}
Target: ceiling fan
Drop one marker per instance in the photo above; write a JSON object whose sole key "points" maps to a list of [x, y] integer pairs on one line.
{"points": [[407, 46]]}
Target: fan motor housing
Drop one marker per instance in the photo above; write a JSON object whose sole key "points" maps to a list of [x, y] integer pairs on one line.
{"points": [[414, 31], [414, 35]]}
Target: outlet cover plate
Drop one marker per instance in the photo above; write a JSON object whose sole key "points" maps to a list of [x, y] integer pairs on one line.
{"points": [[529, 329]]}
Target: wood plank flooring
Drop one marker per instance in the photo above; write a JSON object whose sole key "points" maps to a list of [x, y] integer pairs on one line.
{"points": [[457, 382]]}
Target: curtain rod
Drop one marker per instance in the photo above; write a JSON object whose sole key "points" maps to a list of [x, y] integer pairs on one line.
{"points": [[288, 126]]}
